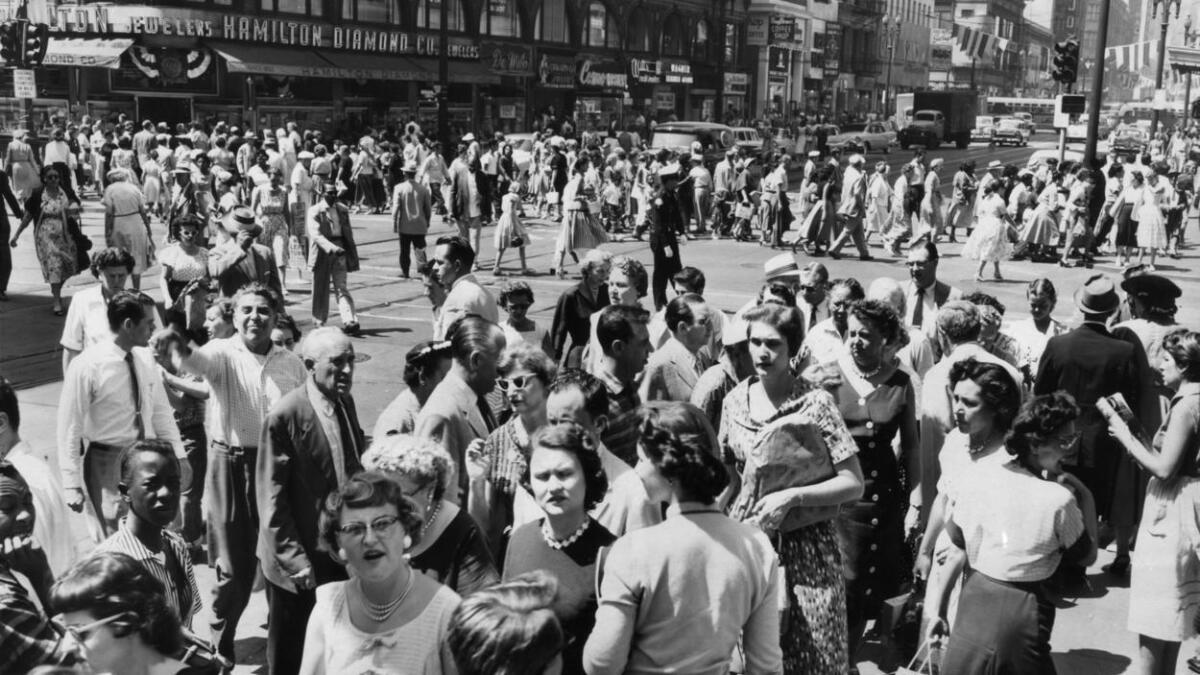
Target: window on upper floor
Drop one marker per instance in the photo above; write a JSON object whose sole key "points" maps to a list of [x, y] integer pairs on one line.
{"points": [[674, 37], [733, 45], [306, 7], [429, 14], [551, 22], [966, 13], [700, 41], [372, 11], [1070, 22], [600, 27], [640, 31], [500, 18]]}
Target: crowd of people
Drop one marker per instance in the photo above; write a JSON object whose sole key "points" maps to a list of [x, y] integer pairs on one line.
{"points": [[632, 488]]}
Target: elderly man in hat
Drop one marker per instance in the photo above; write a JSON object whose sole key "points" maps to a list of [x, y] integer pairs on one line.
{"points": [[1090, 363], [852, 208], [332, 255], [411, 211], [240, 260]]}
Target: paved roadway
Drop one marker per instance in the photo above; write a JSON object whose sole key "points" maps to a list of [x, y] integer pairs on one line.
{"points": [[1090, 636]]}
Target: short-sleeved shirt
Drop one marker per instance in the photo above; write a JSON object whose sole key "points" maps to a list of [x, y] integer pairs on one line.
{"points": [[244, 387], [172, 567]]}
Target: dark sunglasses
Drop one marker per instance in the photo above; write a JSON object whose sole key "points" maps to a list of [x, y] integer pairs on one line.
{"points": [[515, 382]]}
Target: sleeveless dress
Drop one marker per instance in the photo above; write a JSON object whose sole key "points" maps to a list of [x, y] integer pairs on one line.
{"points": [[510, 224], [411, 649], [271, 206], [1152, 225], [989, 240], [125, 200], [23, 173], [55, 248]]}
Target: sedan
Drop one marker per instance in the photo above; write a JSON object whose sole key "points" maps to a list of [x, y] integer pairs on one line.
{"points": [[1128, 140], [1008, 131], [983, 131], [864, 138]]}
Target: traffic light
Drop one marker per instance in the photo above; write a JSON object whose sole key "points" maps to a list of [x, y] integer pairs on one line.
{"points": [[1066, 61], [37, 39], [9, 54]]}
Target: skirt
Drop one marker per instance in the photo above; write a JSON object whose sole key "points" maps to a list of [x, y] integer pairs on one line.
{"points": [[55, 250], [1042, 229], [1127, 227], [1001, 627], [580, 232], [813, 632], [989, 241], [274, 235], [1152, 228], [507, 227], [129, 233], [1164, 586]]}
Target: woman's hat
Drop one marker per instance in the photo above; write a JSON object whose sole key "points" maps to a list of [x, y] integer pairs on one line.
{"points": [[410, 166], [995, 164], [1097, 296], [183, 169], [782, 265], [306, 155], [936, 162], [1151, 286]]}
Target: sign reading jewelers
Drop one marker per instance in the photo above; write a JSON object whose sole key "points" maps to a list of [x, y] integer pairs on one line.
{"points": [[600, 74], [556, 72]]}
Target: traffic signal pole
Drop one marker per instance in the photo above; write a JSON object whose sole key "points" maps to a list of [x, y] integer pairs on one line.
{"points": [[1097, 91]]}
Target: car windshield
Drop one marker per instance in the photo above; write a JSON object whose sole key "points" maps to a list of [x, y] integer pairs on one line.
{"points": [[672, 139], [1009, 124], [925, 117], [1130, 133], [853, 128], [983, 124]]}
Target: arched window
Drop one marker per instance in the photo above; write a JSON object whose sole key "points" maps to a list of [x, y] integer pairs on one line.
{"points": [[600, 27], [499, 18], [674, 37], [640, 31], [701, 43], [551, 23], [429, 14]]}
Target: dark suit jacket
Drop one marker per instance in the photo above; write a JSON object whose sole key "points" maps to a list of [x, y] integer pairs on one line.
{"points": [[6, 192], [294, 474], [459, 193], [1089, 363], [231, 273]]}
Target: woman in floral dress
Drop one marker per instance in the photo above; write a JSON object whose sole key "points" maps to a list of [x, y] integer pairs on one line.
{"points": [[799, 517], [48, 208], [270, 205]]}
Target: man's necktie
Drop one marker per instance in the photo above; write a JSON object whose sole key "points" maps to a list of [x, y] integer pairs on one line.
{"points": [[349, 442], [812, 316], [919, 309], [137, 397]]}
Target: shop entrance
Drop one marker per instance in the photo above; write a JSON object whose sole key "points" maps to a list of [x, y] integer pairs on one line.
{"points": [[164, 109]]}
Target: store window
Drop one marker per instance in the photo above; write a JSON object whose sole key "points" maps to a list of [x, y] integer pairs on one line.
{"points": [[640, 33], [733, 45], [601, 27], [551, 24], [309, 7], [212, 2], [701, 44], [500, 19], [674, 37], [372, 11], [429, 14]]}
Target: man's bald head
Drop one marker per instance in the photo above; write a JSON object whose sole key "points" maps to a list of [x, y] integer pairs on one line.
{"points": [[888, 291], [329, 356]]}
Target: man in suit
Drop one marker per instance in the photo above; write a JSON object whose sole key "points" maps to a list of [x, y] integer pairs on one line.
{"points": [[469, 205], [411, 211], [925, 294], [311, 443], [455, 414], [812, 296], [673, 369], [240, 260], [332, 255], [1089, 363], [452, 262]]}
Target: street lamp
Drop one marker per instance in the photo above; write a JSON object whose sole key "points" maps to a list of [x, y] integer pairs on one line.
{"points": [[891, 31], [1162, 50], [1189, 40]]}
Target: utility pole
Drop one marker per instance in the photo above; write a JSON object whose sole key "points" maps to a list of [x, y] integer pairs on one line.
{"points": [[1165, 6], [1097, 91], [443, 93]]}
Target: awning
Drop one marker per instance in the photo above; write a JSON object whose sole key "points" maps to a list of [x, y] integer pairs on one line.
{"points": [[1184, 59], [408, 69], [86, 52], [241, 58]]}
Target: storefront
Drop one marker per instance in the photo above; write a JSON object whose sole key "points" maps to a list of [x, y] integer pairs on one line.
{"points": [[737, 91], [602, 96], [505, 104], [702, 99], [553, 93]]}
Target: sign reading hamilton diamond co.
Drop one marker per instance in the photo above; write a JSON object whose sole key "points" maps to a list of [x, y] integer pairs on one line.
{"points": [[556, 72]]}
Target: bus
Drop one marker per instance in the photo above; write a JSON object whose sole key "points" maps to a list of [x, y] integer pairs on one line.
{"points": [[1040, 109], [1142, 112]]}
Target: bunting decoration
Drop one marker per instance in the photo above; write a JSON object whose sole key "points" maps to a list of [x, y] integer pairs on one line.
{"points": [[1133, 56], [976, 44]]}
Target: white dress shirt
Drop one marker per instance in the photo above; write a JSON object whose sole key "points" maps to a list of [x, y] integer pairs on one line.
{"points": [[97, 406], [87, 320], [824, 344], [812, 315]]}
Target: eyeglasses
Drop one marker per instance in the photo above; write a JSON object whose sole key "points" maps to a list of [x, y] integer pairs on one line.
{"points": [[514, 382], [1065, 442], [82, 633], [379, 526]]}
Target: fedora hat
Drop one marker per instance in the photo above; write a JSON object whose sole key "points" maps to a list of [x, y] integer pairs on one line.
{"points": [[782, 265], [735, 331], [241, 219], [995, 164], [410, 166], [1098, 295]]}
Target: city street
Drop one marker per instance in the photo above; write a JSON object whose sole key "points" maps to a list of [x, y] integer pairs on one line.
{"points": [[1090, 636]]}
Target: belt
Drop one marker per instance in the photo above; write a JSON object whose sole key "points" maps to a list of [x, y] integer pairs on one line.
{"points": [[233, 449], [104, 447], [125, 215]]}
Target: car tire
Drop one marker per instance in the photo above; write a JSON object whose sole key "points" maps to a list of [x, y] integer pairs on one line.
{"points": [[866, 148]]}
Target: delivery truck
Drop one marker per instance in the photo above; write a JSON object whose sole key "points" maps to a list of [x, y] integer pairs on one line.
{"points": [[939, 117]]}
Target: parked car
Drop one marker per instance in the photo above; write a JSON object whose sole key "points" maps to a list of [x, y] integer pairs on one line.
{"points": [[1039, 157], [1128, 141], [714, 139], [750, 140], [1008, 131], [865, 138], [985, 129]]}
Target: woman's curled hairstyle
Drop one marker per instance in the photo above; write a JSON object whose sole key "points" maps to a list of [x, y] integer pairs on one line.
{"points": [[680, 442], [999, 391], [508, 629], [114, 584], [364, 490], [421, 361], [1039, 418]]}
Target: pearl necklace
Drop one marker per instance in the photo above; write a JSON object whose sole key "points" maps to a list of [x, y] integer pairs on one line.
{"points": [[381, 613], [866, 375], [560, 544], [430, 516]]}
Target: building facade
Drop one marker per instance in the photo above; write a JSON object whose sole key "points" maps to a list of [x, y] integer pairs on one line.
{"points": [[356, 63]]}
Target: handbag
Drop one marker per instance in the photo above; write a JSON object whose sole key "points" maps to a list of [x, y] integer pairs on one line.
{"points": [[517, 241], [934, 648], [82, 244], [790, 452]]}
